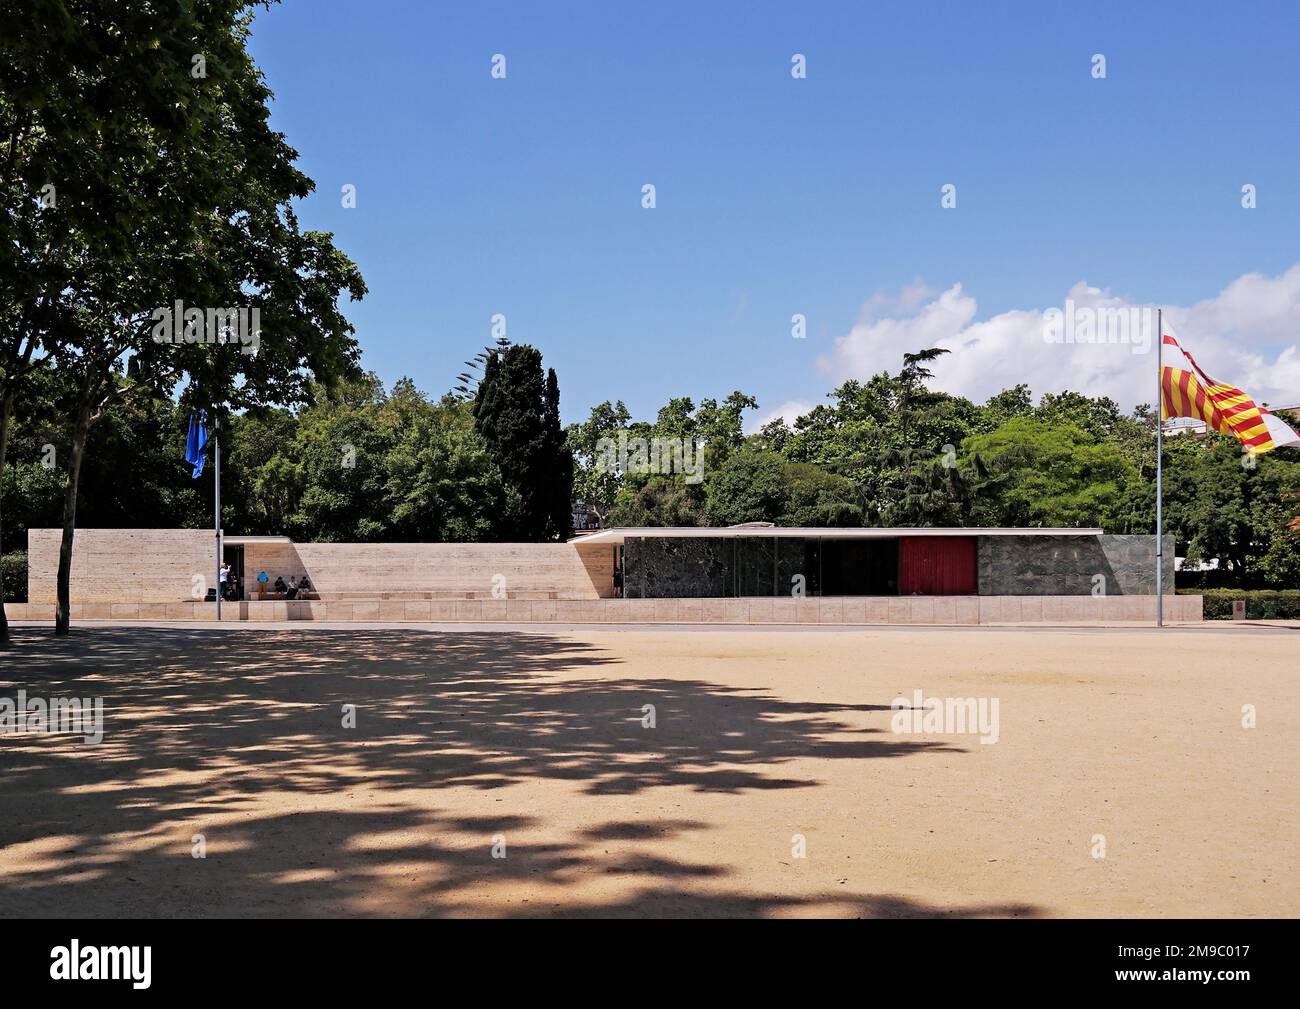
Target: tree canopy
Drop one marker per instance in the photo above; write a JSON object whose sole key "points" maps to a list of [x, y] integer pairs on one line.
{"points": [[143, 182]]}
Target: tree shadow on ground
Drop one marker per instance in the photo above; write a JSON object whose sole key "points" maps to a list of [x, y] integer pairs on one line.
{"points": [[201, 726]]}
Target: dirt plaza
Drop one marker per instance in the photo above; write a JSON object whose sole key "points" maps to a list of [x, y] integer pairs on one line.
{"points": [[435, 771]]}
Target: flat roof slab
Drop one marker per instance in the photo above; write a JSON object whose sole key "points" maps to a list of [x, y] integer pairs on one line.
{"points": [[618, 535]]}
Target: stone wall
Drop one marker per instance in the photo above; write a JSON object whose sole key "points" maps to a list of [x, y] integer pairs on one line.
{"points": [[850, 610], [115, 566], [1070, 565], [668, 567], [598, 561], [426, 570], [123, 565]]}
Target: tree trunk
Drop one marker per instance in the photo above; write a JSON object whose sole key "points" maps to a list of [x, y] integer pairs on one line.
{"points": [[6, 411], [81, 429]]}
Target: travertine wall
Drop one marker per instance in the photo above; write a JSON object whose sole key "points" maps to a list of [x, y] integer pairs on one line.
{"points": [[123, 565], [426, 570], [159, 565], [853, 610], [598, 561]]}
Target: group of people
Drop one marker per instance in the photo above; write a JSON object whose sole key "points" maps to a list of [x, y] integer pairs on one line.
{"points": [[231, 590], [289, 591]]}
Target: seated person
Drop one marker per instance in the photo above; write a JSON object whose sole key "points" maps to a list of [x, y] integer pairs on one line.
{"points": [[293, 588], [279, 583], [304, 585]]}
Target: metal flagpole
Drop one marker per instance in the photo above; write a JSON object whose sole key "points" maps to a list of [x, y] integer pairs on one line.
{"points": [[216, 459], [1160, 471]]}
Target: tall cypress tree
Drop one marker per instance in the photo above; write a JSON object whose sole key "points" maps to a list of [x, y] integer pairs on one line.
{"points": [[560, 474], [518, 414]]}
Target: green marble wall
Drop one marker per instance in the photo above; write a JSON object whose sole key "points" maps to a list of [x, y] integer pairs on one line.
{"points": [[1072, 565]]}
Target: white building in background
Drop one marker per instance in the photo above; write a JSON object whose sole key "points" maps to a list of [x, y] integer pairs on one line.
{"points": [[1176, 426]]}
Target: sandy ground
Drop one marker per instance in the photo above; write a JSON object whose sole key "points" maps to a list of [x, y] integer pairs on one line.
{"points": [[465, 740]]}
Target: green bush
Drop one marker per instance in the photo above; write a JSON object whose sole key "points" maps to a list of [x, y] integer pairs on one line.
{"points": [[1261, 604], [13, 567]]}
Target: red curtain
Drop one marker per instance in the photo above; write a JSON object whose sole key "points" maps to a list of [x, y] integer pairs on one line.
{"points": [[936, 566]]}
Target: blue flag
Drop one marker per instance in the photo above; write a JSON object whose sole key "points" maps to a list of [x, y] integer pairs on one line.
{"points": [[196, 442]]}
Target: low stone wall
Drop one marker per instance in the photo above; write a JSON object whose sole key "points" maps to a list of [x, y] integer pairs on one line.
{"points": [[852, 610]]}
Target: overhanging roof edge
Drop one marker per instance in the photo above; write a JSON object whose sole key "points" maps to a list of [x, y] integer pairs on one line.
{"points": [[620, 534]]}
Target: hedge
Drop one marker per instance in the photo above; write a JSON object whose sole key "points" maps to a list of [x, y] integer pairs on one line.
{"points": [[1261, 604], [14, 568]]}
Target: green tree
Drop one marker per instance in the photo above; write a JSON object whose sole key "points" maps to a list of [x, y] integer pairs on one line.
{"points": [[260, 483], [1049, 474], [596, 478], [659, 501], [1235, 510], [517, 411], [89, 96], [1099, 416], [749, 486], [721, 425], [815, 497], [1001, 407], [364, 465], [918, 482], [196, 188]]}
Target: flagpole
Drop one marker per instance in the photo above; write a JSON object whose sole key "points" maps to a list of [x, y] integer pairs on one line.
{"points": [[216, 459], [1160, 471]]}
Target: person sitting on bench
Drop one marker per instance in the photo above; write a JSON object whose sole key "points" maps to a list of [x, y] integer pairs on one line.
{"points": [[293, 588]]}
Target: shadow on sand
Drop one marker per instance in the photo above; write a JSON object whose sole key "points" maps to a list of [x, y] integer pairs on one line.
{"points": [[199, 724]]}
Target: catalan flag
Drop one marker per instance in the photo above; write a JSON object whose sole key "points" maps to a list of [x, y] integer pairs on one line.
{"points": [[1224, 408]]}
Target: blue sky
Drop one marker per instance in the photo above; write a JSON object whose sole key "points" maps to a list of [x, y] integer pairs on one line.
{"points": [[778, 196]]}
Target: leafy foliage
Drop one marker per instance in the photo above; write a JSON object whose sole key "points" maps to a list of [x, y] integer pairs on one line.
{"points": [[365, 466], [893, 452], [1056, 474], [140, 172], [1261, 604], [13, 569], [517, 412]]}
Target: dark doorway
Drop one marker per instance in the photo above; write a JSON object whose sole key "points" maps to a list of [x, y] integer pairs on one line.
{"points": [[859, 567], [234, 556]]}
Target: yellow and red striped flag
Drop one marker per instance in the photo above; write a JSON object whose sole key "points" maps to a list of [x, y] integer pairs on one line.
{"points": [[1223, 408]]}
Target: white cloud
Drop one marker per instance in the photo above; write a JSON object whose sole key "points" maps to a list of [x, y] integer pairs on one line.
{"points": [[789, 410], [1247, 335], [908, 300]]}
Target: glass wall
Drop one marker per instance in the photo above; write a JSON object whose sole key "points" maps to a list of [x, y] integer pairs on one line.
{"points": [[693, 567]]}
